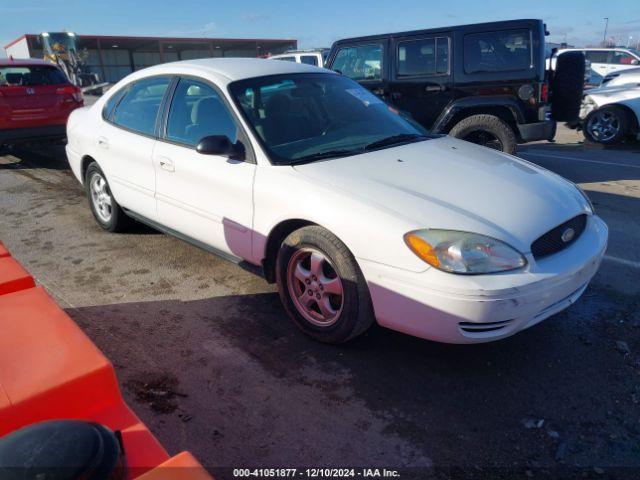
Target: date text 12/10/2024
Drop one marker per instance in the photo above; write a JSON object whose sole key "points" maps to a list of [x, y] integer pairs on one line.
{"points": [[315, 473]]}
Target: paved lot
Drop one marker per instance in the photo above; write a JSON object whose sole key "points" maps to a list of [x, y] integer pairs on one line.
{"points": [[246, 389]]}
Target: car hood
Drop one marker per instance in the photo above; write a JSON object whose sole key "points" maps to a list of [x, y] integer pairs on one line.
{"points": [[614, 93], [450, 184]]}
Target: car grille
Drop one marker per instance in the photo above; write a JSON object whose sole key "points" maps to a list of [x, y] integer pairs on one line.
{"points": [[552, 242]]}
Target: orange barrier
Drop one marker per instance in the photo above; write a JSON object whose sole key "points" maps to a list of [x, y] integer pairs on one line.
{"points": [[13, 277], [181, 467], [49, 369]]}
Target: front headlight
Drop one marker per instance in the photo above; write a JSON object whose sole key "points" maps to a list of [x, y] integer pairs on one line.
{"points": [[463, 252], [586, 198]]}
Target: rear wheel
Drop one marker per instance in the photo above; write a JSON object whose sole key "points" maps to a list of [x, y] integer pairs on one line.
{"points": [[104, 207], [322, 287], [607, 125], [488, 131]]}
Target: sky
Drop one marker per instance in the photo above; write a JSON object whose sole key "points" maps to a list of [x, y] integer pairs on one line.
{"points": [[313, 23]]}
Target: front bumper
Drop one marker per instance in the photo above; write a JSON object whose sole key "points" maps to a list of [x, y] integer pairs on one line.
{"points": [[544, 130], [472, 309], [23, 135]]}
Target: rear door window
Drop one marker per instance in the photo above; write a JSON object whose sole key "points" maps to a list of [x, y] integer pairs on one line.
{"points": [[360, 62], [425, 57], [309, 59], [597, 56], [111, 103], [138, 109], [500, 51]]}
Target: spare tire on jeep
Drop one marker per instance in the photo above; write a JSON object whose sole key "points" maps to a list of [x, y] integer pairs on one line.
{"points": [[566, 86]]}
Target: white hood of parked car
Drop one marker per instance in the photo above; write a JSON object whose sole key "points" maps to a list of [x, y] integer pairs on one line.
{"points": [[452, 184], [614, 92]]}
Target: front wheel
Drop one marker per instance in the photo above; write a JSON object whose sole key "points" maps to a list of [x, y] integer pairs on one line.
{"points": [[488, 131], [321, 286], [607, 125]]}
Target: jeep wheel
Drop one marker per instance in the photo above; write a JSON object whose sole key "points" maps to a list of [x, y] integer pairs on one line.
{"points": [[321, 286], [607, 125], [488, 131]]}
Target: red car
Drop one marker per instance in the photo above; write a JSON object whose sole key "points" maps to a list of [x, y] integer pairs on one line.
{"points": [[36, 99]]}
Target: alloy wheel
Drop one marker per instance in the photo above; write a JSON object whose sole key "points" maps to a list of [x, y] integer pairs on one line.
{"points": [[101, 197], [603, 126], [315, 287]]}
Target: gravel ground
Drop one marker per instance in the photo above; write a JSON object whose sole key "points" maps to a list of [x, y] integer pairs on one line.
{"points": [[243, 388]]}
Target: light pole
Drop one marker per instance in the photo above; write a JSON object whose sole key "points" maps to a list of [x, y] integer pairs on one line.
{"points": [[604, 37]]}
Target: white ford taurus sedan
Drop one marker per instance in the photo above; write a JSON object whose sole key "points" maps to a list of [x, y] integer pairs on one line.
{"points": [[356, 212]]}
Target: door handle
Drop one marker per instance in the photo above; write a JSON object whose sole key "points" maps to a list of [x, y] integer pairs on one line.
{"points": [[103, 142], [166, 164], [433, 88]]}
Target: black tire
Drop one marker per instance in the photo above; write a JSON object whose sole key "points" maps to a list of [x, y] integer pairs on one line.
{"points": [[356, 314], [118, 220], [476, 127], [567, 83], [619, 117]]}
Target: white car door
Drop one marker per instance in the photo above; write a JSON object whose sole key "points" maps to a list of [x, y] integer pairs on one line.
{"points": [[207, 198], [126, 141]]}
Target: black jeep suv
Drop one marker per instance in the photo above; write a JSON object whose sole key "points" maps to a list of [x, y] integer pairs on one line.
{"points": [[485, 83]]}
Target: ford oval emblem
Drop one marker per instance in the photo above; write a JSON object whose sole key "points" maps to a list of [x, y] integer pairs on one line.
{"points": [[568, 235]]}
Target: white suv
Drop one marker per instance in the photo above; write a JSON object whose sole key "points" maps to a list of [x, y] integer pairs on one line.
{"points": [[607, 60], [310, 57]]}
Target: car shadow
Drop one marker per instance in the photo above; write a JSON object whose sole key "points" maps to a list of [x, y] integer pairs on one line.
{"points": [[49, 156], [251, 386], [581, 145]]}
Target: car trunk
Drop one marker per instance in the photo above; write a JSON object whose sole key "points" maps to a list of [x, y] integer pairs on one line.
{"points": [[28, 105]]}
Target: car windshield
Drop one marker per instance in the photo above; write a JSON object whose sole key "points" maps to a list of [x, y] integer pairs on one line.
{"points": [[310, 116]]}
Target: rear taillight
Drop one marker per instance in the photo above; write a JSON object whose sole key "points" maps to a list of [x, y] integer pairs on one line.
{"points": [[71, 90], [544, 92]]}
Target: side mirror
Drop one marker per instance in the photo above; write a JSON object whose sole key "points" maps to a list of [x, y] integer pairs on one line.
{"points": [[635, 61], [221, 145]]}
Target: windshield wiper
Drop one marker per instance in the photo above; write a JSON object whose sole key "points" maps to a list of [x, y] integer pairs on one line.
{"points": [[393, 139], [320, 155]]}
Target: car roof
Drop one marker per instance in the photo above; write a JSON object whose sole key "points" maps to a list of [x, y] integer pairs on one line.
{"points": [[604, 49], [22, 62], [235, 68], [503, 24]]}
